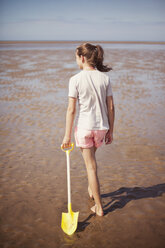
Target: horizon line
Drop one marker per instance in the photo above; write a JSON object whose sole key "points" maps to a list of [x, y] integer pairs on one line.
{"points": [[74, 41]]}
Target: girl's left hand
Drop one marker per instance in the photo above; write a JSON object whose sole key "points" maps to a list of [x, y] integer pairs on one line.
{"points": [[66, 142], [108, 137]]}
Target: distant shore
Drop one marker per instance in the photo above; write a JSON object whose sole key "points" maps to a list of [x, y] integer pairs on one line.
{"points": [[81, 41]]}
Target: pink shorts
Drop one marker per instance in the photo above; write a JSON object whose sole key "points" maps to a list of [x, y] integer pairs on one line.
{"points": [[89, 138]]}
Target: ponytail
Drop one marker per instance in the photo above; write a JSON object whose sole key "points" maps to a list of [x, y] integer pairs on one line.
{"points": [[94, 55], [99, 60]]}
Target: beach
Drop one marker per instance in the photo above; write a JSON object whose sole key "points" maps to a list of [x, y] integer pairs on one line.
{"points": [[33, 101]]}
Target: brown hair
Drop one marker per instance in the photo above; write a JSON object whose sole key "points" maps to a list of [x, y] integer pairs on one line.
{"points": [[94, 55]]}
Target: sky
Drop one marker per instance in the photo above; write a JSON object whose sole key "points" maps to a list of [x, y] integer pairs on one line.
{"points": [[113, 20]]}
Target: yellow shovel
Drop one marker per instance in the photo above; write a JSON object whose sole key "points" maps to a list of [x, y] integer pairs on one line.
{"points": [[70, 219]]}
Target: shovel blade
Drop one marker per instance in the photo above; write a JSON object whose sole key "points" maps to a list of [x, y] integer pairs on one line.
{"points": [[69, 222]]}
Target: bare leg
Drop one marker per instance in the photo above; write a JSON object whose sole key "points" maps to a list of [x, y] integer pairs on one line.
{"points": [[89, 189], [91, 166]]}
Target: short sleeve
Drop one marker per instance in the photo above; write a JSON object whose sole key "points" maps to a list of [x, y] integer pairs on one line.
{"points": [[109, 88], [72, 88]]}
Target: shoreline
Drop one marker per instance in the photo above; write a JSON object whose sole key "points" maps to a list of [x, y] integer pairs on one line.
{"points": [[80, 41]]}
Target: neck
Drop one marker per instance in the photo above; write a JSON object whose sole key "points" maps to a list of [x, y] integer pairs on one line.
{"points": [[88, 68]]}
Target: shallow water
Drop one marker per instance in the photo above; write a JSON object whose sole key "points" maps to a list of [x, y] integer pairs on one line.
{"points": [[33, 102]]}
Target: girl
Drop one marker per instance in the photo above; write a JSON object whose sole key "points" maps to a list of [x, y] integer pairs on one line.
{"points": [[95, 120]]}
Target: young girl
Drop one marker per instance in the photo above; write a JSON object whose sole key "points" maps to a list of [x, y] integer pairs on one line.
{"points": [[95, 120]]}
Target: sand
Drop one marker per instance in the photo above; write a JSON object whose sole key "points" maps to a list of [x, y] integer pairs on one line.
{"points": [[33, 192]]}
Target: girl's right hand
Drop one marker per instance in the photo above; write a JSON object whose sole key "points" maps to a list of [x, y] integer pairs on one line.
{"points": [[66, 142], [108, 137]]}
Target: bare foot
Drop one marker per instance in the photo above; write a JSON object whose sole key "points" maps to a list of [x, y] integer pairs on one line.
{"points": [[90, 193], [98, 211]]}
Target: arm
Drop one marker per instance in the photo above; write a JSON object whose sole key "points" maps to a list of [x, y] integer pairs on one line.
{"points": [[111, 118], [70, 114]]}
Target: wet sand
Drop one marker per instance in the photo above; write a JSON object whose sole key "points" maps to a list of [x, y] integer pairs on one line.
{"points": [[33, 192]]}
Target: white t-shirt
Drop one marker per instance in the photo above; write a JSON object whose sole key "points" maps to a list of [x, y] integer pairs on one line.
{"points": [[91, 89]]}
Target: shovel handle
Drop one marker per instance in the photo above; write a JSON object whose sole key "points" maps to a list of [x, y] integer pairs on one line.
{"points": [[68, 149]]}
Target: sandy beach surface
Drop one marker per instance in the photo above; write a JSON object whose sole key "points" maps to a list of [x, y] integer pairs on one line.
{"points": [[33, 192]]}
